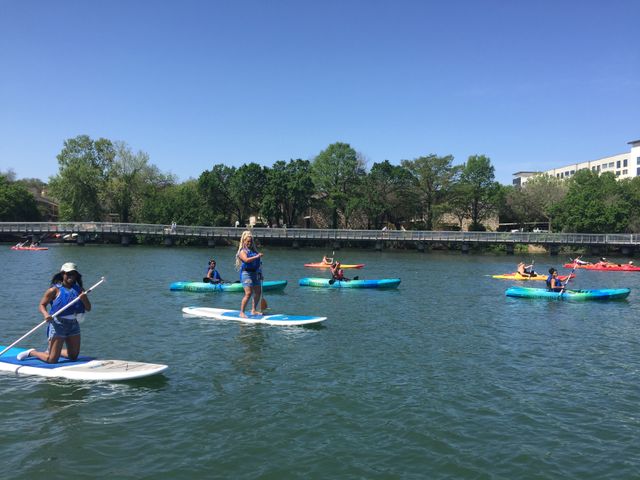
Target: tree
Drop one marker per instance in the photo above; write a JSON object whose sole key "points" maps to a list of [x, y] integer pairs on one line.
{"points": [[630, 190], [479, 189], [337, 172], [434, 177], [594, 204], [16, 203], [246, 188], [288, 191], [215, 187], [83, 171], [536, 199]]}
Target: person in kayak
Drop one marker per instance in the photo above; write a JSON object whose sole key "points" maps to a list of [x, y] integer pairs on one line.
{"points": [[327, 260], [212, 275], [337, 273], [553, 282], [64, 330], [249, 262], [526, 270]]}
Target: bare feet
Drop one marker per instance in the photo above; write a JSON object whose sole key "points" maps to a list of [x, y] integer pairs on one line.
{"points": [[242, 315], [254, 312]]}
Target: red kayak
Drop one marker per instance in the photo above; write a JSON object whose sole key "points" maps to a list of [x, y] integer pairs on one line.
{"points": [[615, 267], [15, 247]]}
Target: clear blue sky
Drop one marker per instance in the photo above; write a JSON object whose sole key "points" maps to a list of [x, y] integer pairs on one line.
{"points": [[531, 84]]}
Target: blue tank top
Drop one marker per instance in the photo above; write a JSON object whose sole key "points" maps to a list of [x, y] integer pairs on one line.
{"points": [[66, 296], [253, 266], [215, 275]]}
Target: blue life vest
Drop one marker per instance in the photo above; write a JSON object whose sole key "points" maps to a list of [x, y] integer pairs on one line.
{"points": [[66, 296], [253, 266], [215, 275]]}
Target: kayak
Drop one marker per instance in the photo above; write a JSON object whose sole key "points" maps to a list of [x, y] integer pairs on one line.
{"points": [[84, 368], [324, 283], [224, 287], [601, 294], [625, 267], [517, 276], [234, 315], [15, 247], [328, 265]]}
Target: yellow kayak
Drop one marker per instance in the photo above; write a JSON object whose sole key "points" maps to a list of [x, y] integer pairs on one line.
{"points": [[537, 276]]}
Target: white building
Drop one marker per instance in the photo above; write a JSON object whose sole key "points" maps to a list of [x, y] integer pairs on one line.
{"points": [[622, 165]]}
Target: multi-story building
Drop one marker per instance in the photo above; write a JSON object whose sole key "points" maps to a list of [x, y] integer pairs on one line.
{"points": [[622, 165]]}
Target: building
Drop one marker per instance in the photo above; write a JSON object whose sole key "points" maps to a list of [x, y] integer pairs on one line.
{"points": [[622, 165]]}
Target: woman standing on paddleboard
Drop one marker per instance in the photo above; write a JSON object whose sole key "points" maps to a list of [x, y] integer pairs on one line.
{"points": [[66, 286], [249, 263]]}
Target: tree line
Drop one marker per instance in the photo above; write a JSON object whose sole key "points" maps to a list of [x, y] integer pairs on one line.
{"points": [[100, 179]]}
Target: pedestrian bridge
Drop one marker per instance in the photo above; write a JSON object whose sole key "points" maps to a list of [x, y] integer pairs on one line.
{"points": [[295, 237]]}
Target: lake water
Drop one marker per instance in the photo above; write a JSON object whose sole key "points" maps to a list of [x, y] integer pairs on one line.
{"points": [[444, 377]]}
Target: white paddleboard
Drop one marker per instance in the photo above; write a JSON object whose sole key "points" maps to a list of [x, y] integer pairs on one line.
{"points": [[85, 368], [279, 319]]}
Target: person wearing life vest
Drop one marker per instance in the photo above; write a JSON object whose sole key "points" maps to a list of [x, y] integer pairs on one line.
{"points": [[212, 275], [63, 330], [337, 273], [553, 282], [249, 262]]}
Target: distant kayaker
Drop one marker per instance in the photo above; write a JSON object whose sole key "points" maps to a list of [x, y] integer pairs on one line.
{"points": [[249, 262], [526, 270], [66, 286], [553, 282], [327, 260], [212, 275]]}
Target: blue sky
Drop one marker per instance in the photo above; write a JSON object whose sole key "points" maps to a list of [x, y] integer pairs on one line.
{"points": [[532, 85]]}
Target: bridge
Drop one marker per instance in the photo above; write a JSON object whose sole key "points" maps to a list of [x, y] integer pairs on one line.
{"points": [[82, 232]]}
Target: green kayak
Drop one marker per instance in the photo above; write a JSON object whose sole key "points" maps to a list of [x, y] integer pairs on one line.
{"points": [[600, 294], [223, 287]]}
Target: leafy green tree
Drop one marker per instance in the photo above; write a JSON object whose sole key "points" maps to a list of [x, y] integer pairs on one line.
{"points": [[215, 187], [434, 178], [594, 204], [182, 203], [388, 195], [630, 190], [536, 199], [288, 191], [246, 188], [479, 189], [16, 203], [337, 172], [80, 183]]}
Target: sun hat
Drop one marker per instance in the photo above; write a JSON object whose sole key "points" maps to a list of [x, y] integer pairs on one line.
{"points": [[69, 267]]}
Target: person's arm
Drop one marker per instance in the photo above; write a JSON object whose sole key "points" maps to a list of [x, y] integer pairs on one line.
{"points": [[84, 298], [47, 298], [243, 256]]}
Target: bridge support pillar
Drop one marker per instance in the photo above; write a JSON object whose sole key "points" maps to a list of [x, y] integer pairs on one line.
{"points": [[168, 241], [420, 246], [336, 245], [627, 251], [510, 248], [211, 242], [296, 244], [80, 240], [465, 248], [125, 240], [554, 250], [35, 238], [379, 245]]}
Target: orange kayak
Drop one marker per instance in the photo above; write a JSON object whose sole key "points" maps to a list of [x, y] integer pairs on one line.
{"points": [[328, 265], [15, 247], [517, 276]]}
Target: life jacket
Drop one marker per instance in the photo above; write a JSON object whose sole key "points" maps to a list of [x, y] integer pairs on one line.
{"points": [[253, 266], [66, 296], [214, 276]]}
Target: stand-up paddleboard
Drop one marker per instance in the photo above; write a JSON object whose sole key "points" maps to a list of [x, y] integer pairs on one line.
{"points": [[267, 286], [279, 319], [84, 368]]}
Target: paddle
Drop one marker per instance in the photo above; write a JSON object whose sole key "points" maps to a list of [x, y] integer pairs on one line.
{"points": [[263, 302], [102, 279], [575, 264]]}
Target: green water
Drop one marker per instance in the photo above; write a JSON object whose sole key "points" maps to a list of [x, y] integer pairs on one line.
{"points": [[444, 377]]}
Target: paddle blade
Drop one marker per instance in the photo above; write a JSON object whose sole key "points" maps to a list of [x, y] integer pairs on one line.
{"points": [[263, 304], [332, 281]]}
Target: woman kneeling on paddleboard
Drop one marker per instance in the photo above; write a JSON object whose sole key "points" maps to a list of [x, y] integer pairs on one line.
{"points": [[249, 263], [66, 286]]}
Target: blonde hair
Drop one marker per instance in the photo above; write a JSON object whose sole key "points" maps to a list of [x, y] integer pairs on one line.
{"points": [[252, 247]]}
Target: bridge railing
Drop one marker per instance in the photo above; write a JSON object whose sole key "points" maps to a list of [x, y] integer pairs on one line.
{"points": [[63, 228]]}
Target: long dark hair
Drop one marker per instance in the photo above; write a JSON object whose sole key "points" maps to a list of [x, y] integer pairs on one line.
{"points": [[58, 277]]}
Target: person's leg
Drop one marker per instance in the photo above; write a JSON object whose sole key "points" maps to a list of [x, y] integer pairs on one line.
{"points": [[73, 348], [245, 299], [55, 348], [257, 294]]}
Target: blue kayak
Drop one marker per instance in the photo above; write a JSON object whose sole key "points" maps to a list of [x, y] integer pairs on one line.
{"points": [[326, 283], [600, 294], [224, 287]]}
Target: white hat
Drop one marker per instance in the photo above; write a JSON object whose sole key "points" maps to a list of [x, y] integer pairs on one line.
{"points": [[69, 267]]}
